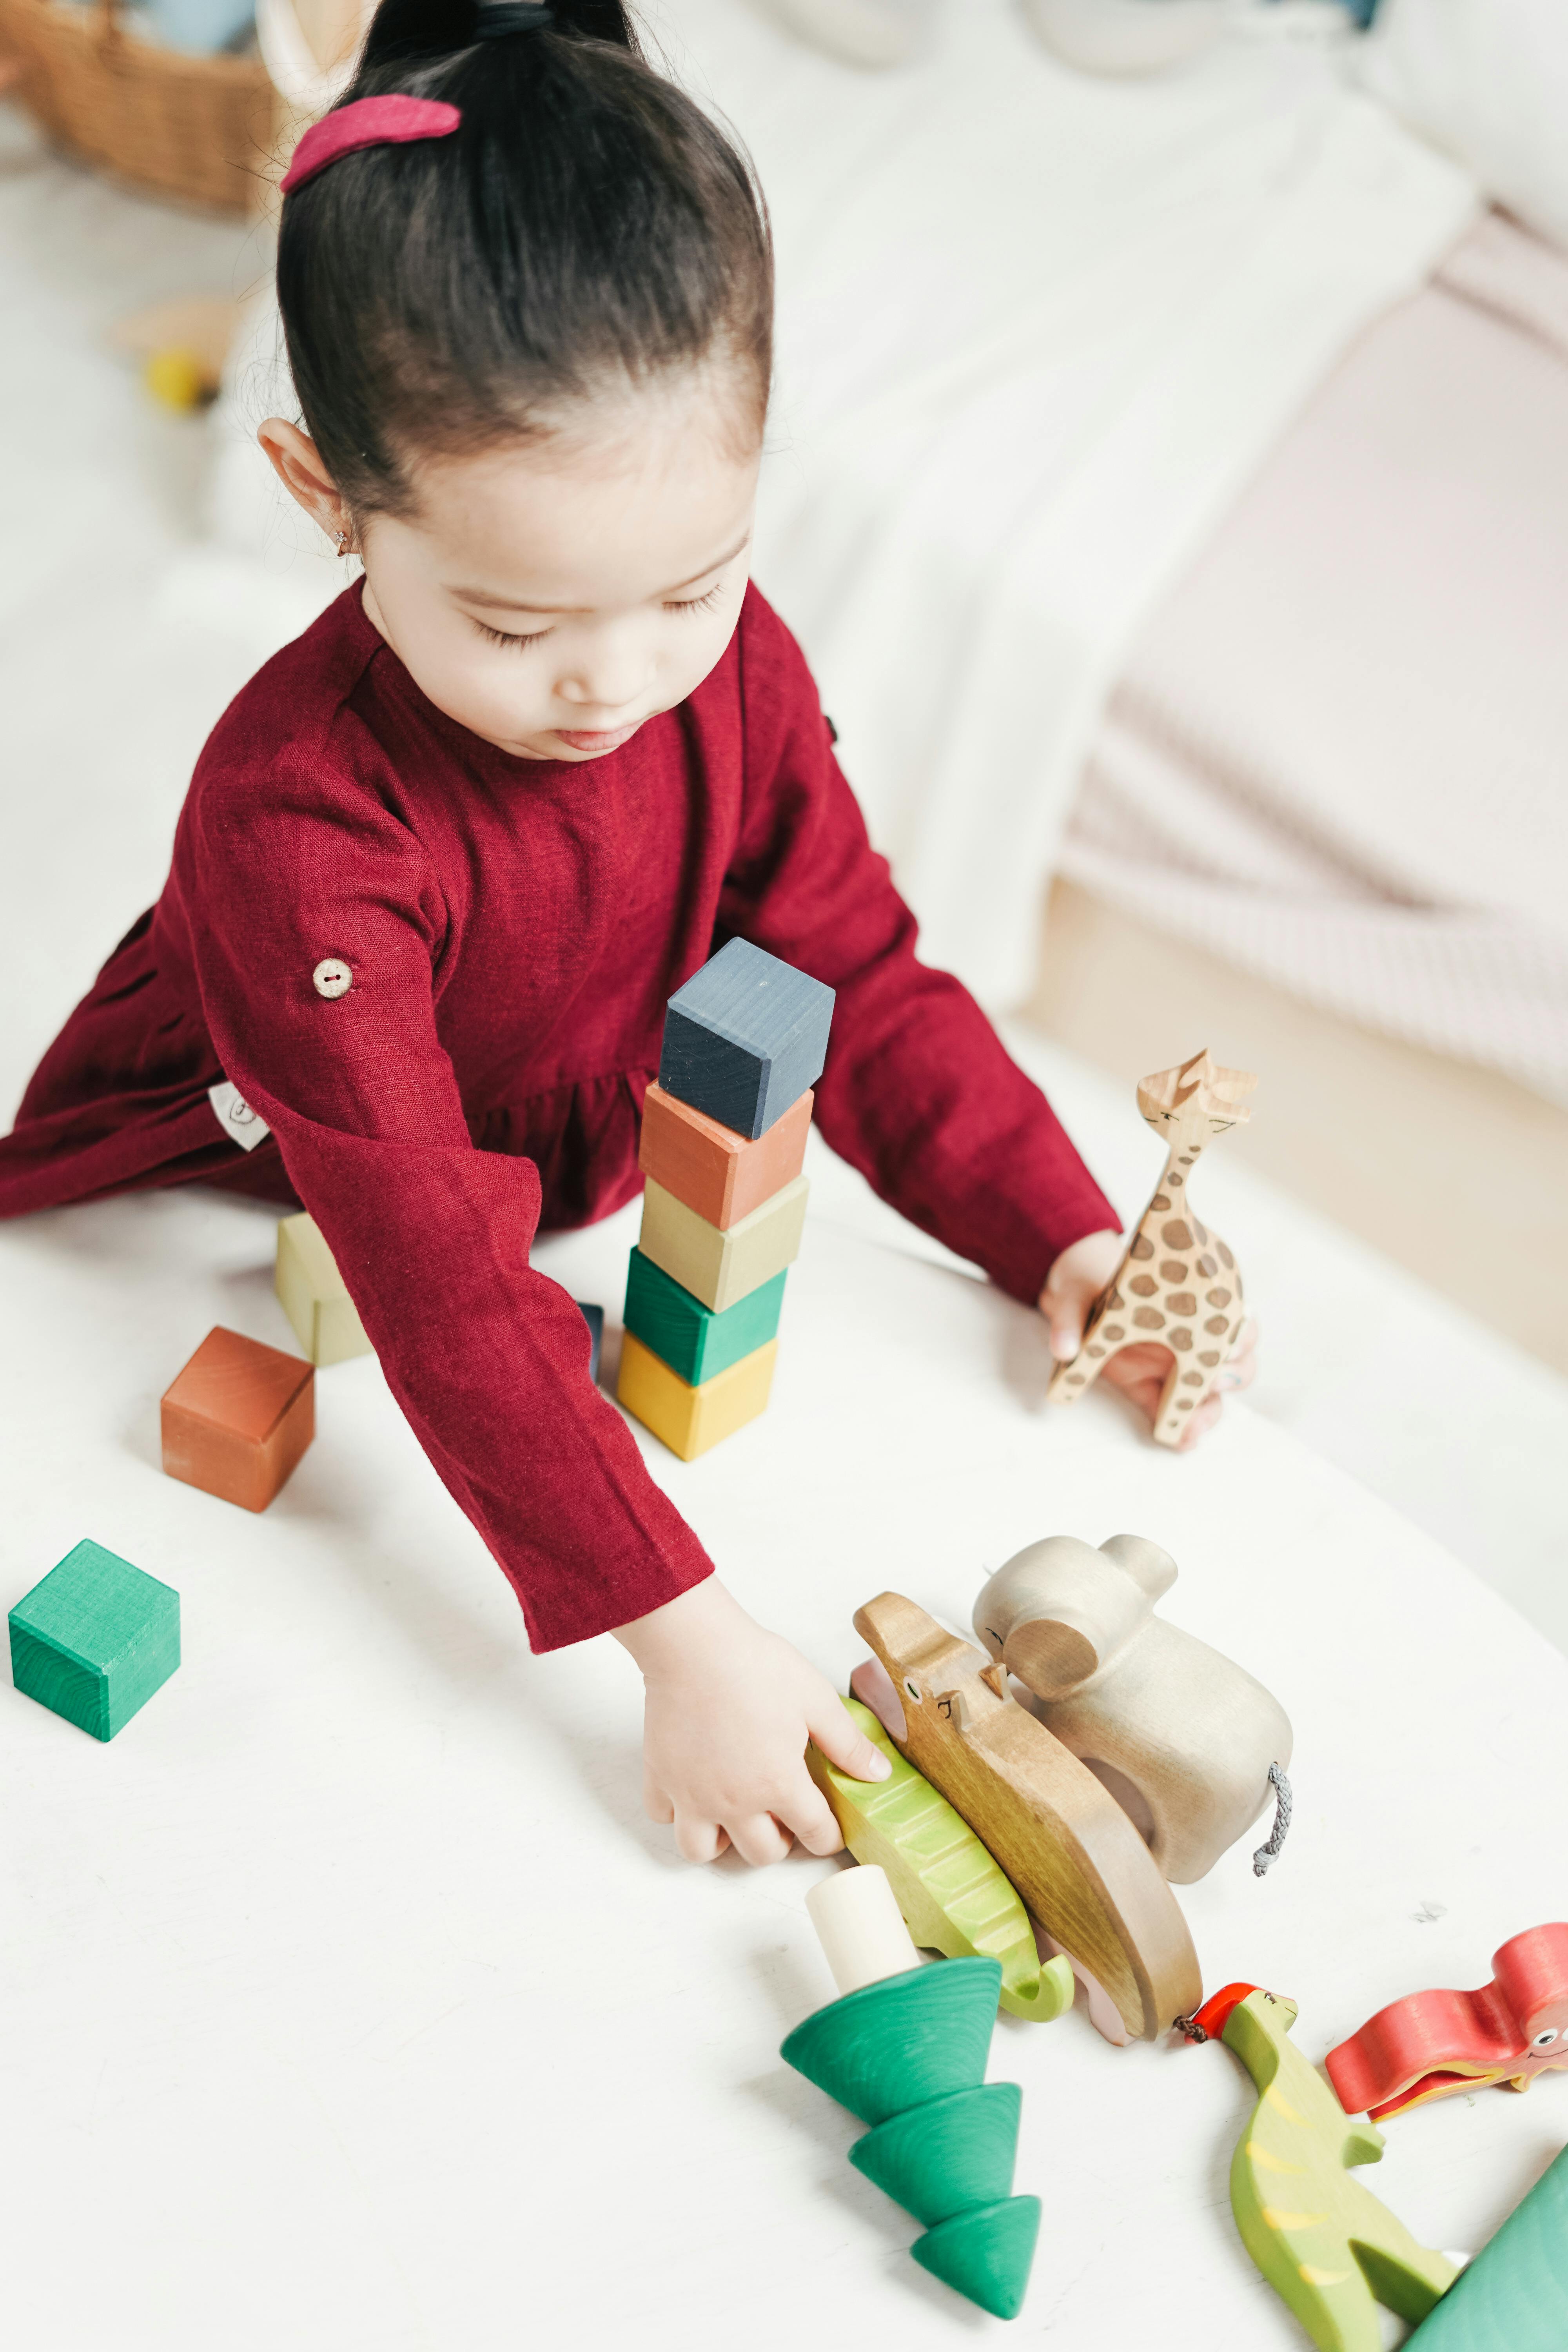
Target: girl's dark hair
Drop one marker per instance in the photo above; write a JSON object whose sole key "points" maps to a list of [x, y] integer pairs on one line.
{"points": [[587, 223]]}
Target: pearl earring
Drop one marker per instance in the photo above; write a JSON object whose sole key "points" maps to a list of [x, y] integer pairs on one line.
{"points": [[342, 539]]}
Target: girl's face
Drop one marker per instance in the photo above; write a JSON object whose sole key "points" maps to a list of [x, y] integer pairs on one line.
{"points": [[554, 594]]}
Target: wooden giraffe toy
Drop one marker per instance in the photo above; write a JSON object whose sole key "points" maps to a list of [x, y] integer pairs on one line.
{"points": [[1326, 2245], [1178, 1283]]}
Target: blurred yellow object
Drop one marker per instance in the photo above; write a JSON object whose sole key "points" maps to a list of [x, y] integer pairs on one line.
{"points": [[182, 346], [177, 377]]}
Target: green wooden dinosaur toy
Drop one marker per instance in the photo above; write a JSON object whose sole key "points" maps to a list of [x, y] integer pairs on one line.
{"points": [[953, 1897], [1324, 2244]]}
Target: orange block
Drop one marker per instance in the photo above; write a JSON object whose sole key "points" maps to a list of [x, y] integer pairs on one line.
{"points": [[721, 1175], [237, 1419]]}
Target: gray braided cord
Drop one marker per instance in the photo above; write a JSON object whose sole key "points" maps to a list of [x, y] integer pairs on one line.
{"points": [[1269, 1852]]}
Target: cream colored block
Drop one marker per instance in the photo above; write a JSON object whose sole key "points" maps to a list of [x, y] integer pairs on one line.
{"points": [[315, 1295], [689, 1420], [721, 1267], [860, 1927]]}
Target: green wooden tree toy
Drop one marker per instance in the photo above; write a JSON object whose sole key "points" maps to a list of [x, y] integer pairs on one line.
{"points": [[904, 2048], [1514, 2295], [954, 1898], [1325, 2244]]}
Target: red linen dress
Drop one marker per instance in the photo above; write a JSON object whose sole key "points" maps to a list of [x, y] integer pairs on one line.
{"points": [[513, 928]]}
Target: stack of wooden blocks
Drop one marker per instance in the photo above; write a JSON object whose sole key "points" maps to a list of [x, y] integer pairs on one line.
{"points": [[724, 1143]]}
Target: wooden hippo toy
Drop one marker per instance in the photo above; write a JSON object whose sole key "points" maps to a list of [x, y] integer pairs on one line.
{"points": [[1183, 1739], [1068, 1847]]}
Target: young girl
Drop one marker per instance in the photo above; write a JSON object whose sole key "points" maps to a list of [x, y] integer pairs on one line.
{"points": [[444, 860]]}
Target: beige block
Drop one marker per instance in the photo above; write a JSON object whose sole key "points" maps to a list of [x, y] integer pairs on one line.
{"points": [[315, 1295], [721, 1267]]}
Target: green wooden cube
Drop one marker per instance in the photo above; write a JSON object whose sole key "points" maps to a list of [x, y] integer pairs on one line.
{"points": [[690, 1339], [95, 1639]]}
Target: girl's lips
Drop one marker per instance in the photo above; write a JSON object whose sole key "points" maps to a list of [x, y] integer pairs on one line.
{"points": [[583, 739]]}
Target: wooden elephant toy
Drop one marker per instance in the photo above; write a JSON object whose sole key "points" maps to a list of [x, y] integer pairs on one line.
{"points": [[1183, 1740]]}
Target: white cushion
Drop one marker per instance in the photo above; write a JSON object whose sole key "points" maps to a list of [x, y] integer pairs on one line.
{"points": [[1488, 82]]}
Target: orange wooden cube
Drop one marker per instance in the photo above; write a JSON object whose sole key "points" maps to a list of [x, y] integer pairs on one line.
{"points": [[721, 1175], [237, 1419]]}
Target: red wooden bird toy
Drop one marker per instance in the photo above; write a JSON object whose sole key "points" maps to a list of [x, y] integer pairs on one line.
{"points": [[1433, 2043]]}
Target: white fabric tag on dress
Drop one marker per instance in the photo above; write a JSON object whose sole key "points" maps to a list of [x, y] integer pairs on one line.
{"points": [[238, 1121]]}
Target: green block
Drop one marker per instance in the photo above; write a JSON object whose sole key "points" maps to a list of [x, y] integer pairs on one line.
{"points": [[1514, 2297], [689, 1337], [95, 1639], [985, 2254], [939, 2159], [907, 2039]]}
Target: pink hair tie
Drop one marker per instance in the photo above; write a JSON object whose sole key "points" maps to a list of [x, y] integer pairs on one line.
{"points": [[390, 122]]}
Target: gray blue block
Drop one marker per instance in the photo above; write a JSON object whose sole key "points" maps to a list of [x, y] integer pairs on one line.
{"points": [[594, 1316], [745, 1037]]}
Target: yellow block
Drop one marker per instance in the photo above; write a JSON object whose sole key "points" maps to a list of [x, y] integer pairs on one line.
{"points": [[315, 1295], [721, 1267], [691, 1419]]}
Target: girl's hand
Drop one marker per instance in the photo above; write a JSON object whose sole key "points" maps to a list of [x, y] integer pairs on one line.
{"points": [[1073, 1285], [729, 1709]]}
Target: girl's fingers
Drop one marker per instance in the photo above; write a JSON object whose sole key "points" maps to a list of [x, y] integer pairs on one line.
{"points": [[759, 1840], [655, 1803], [1241, 1367], [700, 1841], [806, 1812], [1065, 1320], [843, 1744]]}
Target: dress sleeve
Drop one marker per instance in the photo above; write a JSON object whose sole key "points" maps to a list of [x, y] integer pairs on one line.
{"points": [[488, 1360], [919, 1092]]}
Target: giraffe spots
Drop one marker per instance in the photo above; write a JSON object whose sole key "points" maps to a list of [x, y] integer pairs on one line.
{"points": [[1191, 1380], [1113, 1331], [1159, 1201], [1148, 1318], [1217, 1323], [1172, 1181], [1180, 1340], [1209, 1356], [1114, 1301], [1202, 1235], [1076, 1379], [1184, 1303], [1100, 1351], [1143, 1285], [1208, 1266], [1217, 1297], [1174, 1269], [1176, 1235], [1141, 1247], [1188, 1157], [1184, 1404], [1225, 1258]]}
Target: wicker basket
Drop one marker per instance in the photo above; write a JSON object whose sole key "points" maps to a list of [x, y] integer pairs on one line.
{"points": [[199, 129]]}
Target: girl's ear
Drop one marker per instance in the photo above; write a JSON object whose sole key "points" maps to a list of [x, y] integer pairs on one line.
{"points": [[300, 469]]}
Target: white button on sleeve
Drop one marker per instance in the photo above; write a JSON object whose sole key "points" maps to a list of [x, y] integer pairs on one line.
{"points": [[332, 977]]}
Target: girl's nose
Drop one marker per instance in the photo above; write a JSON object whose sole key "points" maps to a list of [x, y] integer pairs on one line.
{"points": [[606, 677]]}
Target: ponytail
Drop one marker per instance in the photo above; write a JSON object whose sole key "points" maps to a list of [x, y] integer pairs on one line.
{"points": [[434, 28], [585, 227]]}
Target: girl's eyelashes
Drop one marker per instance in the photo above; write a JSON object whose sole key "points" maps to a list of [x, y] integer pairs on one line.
{"points": [[501, 636], [703, 604]]}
